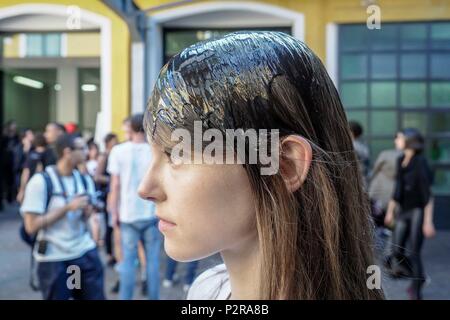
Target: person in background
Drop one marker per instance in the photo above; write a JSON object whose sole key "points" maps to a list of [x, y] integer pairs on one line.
{"points": [[72, 129], [53, 131], [21, 153], [361, 149], [411, 196], [170, 273], [127, 164], [94, 221], [126, 128], [62, 238], [92, 159], [10, 142], [102, 180], [38, 158], [127, 132]]}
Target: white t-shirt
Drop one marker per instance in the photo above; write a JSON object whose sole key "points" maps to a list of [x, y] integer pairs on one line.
{"points": [[213, 284], [130, 161], [68, 238]]}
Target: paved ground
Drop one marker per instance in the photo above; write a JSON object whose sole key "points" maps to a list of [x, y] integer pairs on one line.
{"points": [[14, 267]]}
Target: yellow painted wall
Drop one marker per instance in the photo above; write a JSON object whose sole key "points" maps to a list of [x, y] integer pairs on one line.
{"points": [[318, 13], [83, 44], [120, 48], [11, 49]]}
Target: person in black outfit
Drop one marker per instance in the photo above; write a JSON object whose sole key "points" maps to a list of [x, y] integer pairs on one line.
{"points": [[21, 153], [102, 180], [38, 158], [411, 195], [10, 142]]}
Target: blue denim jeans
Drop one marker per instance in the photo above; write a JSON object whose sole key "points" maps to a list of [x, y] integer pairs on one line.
{"points": [[190, 272], [53, 278], [146, 231]]}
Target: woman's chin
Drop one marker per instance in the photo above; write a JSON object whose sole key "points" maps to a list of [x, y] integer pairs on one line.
{"points": [[180, 254]]}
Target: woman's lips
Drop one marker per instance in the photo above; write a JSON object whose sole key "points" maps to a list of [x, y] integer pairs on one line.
{"points": [[165, 225]]}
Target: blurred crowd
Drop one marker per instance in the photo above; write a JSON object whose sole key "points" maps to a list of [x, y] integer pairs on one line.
{"points": [[103, 211], [79, 201], [399, 189]]}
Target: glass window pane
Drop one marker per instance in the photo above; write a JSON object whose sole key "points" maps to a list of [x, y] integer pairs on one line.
{"points": [[440, 94], [378, 145], [440, 122], [384, 66], [413, 65], [52, 45], [354, 94], [383, 94], [384, 38], [353, 37], [354, 66], [440, 65], [413, 94], [440, 35], [34, 45], [416, 120], [413, 36], [441, 183], [358, 116], [383, 122], [439, 151]]}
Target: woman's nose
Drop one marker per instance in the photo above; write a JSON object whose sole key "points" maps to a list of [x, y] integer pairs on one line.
{"points": [[150, 187]]}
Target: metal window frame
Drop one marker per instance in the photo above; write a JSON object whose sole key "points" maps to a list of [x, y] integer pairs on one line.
{"points": [[426, 110]]}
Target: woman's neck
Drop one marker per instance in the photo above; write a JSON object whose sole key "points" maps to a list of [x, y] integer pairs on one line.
{"points": [[243, 268], [409, 154]]}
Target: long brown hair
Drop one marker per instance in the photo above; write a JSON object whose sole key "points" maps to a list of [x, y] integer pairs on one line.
{"points": [[316, 243]]}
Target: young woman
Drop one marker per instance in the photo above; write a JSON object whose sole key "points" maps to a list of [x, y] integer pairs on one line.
{"points": [[412, 195], [301, 233]]}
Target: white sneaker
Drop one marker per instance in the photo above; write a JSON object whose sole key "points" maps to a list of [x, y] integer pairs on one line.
{"points": [[167, 283]]}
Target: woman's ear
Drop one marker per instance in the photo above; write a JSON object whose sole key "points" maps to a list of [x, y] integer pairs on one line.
{"points": [[295, 160]]}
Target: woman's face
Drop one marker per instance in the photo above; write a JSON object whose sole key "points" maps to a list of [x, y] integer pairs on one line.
{"points": [[204, 209], [93, 153], [399, 141]]}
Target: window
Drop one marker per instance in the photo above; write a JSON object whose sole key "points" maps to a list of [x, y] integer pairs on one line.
{"points": [[43, 45], [398, 77]]}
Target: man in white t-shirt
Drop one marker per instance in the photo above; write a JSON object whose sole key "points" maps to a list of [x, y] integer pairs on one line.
{"points": [[63, 247], [127, 165]]}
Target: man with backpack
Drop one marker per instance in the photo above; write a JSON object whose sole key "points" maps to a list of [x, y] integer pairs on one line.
{"points": [[56, 206]]}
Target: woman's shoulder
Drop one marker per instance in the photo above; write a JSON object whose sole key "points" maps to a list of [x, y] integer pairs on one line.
{"points": [[212, 284]]}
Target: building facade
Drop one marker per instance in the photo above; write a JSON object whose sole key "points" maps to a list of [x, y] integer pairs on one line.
{"points": [[389, 78]]}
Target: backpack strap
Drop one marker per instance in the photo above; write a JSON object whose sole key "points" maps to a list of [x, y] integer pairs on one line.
{"points": [[49, 187], [83, 181]]}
